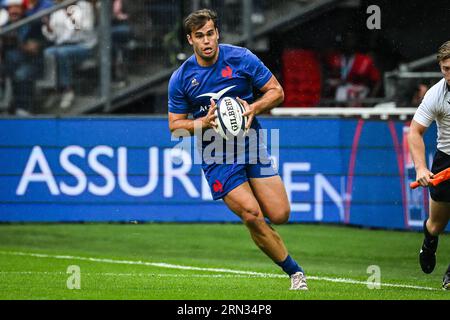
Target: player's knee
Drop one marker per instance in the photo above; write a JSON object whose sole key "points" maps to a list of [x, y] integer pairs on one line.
{"points": [[435, 228], [250, 217], [281, 219], [281, 216]]}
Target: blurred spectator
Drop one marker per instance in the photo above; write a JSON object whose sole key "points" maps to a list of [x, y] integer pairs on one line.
{"points": [[22, 56], [350, 75], [120, 36], [4, 17], [73, 32], [409, 93], [119, 14], [419, 93], [34, 6]]}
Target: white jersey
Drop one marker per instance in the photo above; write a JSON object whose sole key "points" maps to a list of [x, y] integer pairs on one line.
{"points": [[436, 107], [78, 28]]}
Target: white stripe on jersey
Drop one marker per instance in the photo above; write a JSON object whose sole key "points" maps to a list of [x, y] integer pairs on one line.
{"points": [[436, 107]]}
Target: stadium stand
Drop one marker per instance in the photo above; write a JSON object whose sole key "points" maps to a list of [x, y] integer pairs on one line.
{"points": [[147, 46], [22, 55]]}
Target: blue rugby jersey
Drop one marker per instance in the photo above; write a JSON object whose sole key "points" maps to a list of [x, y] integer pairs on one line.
{"points": [[235, 74]]}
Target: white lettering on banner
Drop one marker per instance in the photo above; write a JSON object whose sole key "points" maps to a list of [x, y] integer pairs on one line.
{"points": [[123, 172], [37, 158], [177, 166], [206, 191], [37, 169], [180, 173], [291, 186], [73, 170], [321, 186], [99, 168]]}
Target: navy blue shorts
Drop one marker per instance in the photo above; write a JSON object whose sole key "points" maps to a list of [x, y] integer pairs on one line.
{"points": [[440, 193], [222, 178]]}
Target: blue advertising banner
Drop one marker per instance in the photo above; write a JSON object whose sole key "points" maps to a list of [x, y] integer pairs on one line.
{"points": [[124, 169]]}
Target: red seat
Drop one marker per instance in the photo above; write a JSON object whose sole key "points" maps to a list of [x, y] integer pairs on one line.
{"points": [[302, 78]]}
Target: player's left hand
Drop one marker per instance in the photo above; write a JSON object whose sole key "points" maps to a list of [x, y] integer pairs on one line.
{"points": [[250, 112]]}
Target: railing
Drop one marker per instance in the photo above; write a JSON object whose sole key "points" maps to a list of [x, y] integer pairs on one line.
{"points": [[156, 45], [408, 72], [384, 113], [35, 17], [147, 43], [96, 67]]}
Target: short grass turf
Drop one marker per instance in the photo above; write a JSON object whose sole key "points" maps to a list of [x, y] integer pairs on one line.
{"points": [[329, 252]]}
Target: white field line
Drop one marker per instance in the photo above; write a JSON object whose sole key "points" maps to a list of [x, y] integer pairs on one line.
{"points": [[235, 273], [113, 274]]}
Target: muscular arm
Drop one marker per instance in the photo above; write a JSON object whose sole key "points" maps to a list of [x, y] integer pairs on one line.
{"points": [[417, 149], [273, 95], [181, 122]]}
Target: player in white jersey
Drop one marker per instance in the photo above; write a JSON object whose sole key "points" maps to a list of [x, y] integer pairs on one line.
{"points": [[252, 191], [434, 107]]}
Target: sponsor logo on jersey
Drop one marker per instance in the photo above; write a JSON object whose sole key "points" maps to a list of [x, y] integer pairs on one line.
{"points": [[194, 82], [218, 95], [214, 96]]}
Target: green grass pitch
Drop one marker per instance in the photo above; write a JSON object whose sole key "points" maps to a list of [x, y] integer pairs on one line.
{"points": [[180, 261]]}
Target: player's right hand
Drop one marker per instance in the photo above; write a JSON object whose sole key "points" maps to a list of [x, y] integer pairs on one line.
{"points": [[209, 121], [423, 176]]}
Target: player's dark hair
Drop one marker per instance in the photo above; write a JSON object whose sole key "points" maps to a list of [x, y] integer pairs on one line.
{"points": [[444, 52], [197, 19]]}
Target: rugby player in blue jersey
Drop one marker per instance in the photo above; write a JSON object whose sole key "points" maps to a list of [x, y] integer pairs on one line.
{"points": [[253, 191]]}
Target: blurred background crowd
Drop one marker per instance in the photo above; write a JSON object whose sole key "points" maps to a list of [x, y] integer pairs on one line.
{"points": [[115, 56]]}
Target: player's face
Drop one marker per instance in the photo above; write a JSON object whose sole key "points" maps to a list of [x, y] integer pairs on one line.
{"points": [[445, 68], [205, 42]]}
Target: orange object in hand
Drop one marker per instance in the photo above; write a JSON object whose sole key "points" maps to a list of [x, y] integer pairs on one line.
{"points": [[440, 177]]}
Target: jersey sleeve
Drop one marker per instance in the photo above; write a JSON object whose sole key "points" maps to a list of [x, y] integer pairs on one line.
{"points": [[256, 69], [177, 99], [427, 111]]}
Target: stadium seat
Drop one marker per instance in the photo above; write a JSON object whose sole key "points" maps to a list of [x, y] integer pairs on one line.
{"points": [[301, 78], [49, 81]]}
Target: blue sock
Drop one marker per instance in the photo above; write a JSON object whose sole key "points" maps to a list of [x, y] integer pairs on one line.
{"points": [[290, 266]]}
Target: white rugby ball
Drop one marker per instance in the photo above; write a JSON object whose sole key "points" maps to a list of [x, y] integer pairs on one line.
{"points": [[230, 121]]}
